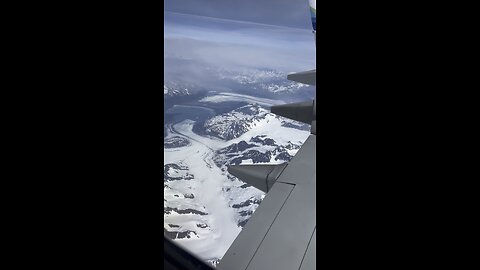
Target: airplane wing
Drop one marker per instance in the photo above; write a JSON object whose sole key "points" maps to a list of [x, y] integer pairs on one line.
{"points": [[281, 234], [306, 77]]}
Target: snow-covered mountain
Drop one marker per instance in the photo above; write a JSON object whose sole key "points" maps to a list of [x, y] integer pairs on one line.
{"points": [[171, 89], [259, 149], [204, 207], [257, 82], [265, 80], [235, 123], [252, 76]]}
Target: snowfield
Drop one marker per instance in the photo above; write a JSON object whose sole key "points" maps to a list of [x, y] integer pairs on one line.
{"points": [[224, 97]]}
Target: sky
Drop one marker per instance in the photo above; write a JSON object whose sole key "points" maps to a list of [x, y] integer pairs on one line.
{"points": [[195, 46], [289, 13]]}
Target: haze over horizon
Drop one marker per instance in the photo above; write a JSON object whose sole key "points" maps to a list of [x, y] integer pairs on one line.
{"points": [[197, 47]]}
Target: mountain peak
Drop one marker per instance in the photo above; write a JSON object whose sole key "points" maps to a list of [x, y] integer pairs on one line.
{"points": [[233, 124]]}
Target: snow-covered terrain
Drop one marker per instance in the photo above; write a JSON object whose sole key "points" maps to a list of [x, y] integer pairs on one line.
{"points": [[205, 207], [267, 80], [175, 89]]}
